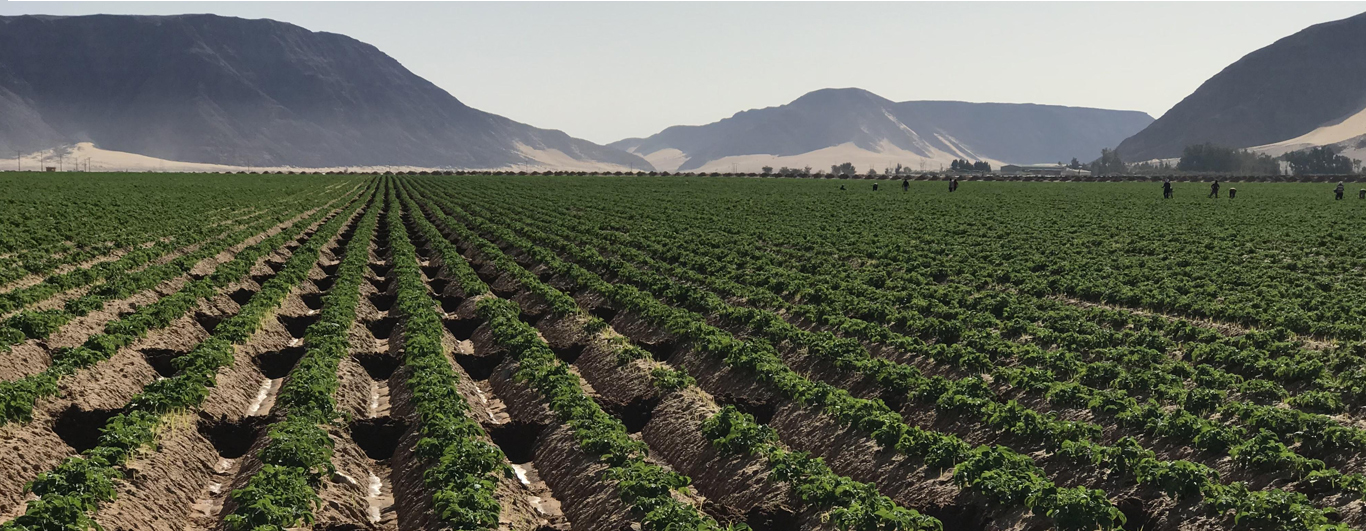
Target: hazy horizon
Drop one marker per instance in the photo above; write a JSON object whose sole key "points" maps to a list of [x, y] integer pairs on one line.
{"points": [[608, 71]]}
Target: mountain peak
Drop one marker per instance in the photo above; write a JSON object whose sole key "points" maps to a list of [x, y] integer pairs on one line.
{"points": [[835, 125], [833, 96], [226, 90], [1302, 82]]}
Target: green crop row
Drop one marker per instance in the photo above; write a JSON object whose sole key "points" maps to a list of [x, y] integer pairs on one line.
{"points": [[298, 451], [68, 494], [17, 397], [645, 487], [1009, 416], [972, 397], [998, 473], [462, 464]]}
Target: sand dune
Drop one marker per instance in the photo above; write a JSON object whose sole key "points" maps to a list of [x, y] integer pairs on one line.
{"points": [[1348, 128], [85, 156], [887, 155]]}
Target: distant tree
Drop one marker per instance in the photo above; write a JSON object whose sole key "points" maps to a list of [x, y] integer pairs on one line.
{"points": [[872, 172], [767, 170], [1322, 160], [846, 168], [1075, 164], [1108, 163], [1209, 158]]}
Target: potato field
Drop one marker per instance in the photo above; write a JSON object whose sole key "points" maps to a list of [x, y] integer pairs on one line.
{"points": [[535, 353]]}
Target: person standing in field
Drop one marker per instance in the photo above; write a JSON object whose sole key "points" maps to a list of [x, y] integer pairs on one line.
{"points": [[905, 185], [953, 184], [1167, 189], [874, 187], [1337, 192], [1214, 190], [1232, 192]]}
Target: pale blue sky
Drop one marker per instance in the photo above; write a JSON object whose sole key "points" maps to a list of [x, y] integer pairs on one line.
{"points": [[606, 71]]}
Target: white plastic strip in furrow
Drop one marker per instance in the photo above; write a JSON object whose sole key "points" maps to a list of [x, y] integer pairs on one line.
{"points": [[372, 493], [260, 397], [374, 398]]}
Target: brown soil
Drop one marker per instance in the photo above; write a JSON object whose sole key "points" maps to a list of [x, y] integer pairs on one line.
{"points": [[27, 450], [739, 485], [34, 356], [589, 502], [161, 485]]}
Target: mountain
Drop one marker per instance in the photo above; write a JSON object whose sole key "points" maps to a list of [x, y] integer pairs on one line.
{"points": [[831, 126], [222, 90], [1310, 80]]}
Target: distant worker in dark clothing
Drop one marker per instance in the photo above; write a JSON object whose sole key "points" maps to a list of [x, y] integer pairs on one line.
{"points": [[874, 187], [1337, 192], [1232, 192], [841, 187], [905, 185], [1214, 190], [953, 184], [1167, 189], [1361, 194]]}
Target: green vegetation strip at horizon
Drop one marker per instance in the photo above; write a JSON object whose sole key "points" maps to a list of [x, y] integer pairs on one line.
{"points": [[70, 493], [677, 211]]}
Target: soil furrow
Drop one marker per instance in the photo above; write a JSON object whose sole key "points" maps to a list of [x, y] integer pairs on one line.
{"points": [[526, 503], [69, 423], [194, 469], [34, 355]]}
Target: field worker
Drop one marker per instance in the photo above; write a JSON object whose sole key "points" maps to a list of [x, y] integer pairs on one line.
{"points": [[1214, 190], [1167, 189], [874, 187], [1232, 192], [1361, 194], [953, 184], [841, 187], [905, 185], [1337, 192]]}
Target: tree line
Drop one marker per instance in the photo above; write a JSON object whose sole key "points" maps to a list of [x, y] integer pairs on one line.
{"points": [[1211, 158]]}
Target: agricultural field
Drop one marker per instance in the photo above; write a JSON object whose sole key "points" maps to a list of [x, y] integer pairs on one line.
{"points": [[252, 352]]}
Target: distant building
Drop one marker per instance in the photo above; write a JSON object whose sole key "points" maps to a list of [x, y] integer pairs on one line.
{"points": [[1043, 169]]}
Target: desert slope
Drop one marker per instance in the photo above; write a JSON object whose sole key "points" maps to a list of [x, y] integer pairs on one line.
{"points": [[1292, 91], [230, 91], [854, 125]]}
